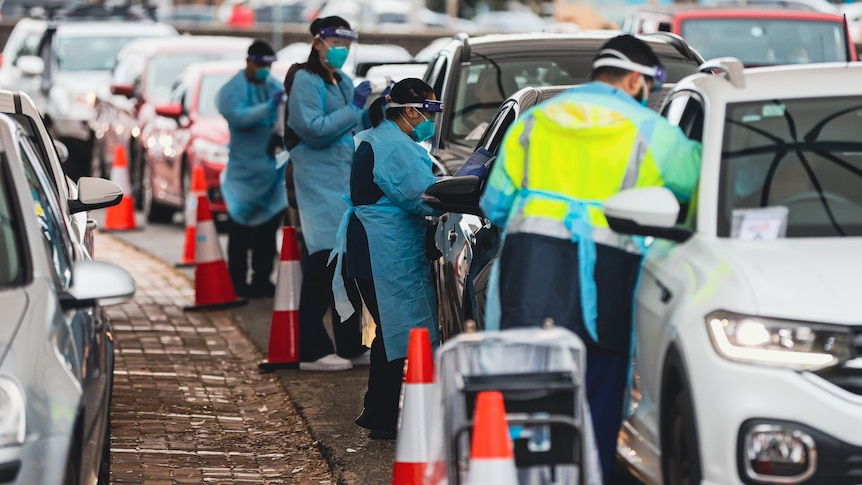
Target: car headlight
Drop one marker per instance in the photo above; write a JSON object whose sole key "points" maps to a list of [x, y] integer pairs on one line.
{"points": [[12, 413], [782, 343], [210, 152]]}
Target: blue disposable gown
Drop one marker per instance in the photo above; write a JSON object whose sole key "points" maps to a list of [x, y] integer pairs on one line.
{"points": [[395, 228], [325, 119], [252, 187]]}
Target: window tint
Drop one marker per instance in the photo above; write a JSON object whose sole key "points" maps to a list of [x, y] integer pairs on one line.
{"points": [[759, 42], [54, 232], [801, 154], [164, 70], [11, 251], [210, 86]]}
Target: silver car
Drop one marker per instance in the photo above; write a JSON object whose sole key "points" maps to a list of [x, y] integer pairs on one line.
{"points": [[56, 349]]}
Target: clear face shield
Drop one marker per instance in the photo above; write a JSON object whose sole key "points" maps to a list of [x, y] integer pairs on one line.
{"points": [[337, 41], [615, 58]]}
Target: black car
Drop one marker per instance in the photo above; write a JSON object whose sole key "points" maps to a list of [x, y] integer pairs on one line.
{"points": [[473, 75], [467, 240]]}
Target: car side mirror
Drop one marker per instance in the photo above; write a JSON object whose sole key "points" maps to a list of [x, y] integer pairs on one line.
{"points": [[97, 283], [455, 194], [95, 193], [62, 151], [648, 211], [173, 110], [31, 65], [127, 90]]}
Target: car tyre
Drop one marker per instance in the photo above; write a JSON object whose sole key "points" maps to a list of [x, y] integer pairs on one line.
{"points": [[137, 173], [72, 472], [681, 454], [154, 212], [105, 462]]}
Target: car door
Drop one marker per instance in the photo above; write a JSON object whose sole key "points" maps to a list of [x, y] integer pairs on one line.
{"points": [[662, 289], [84, 342]]}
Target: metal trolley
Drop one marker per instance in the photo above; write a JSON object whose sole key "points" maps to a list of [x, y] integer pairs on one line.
{"points": [[540, 372]]}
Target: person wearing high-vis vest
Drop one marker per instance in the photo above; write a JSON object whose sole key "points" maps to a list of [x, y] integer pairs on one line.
{"points": [[557, 165]]}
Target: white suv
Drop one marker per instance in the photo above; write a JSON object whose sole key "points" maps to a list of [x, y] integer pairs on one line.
{"points": [[748, 321]]}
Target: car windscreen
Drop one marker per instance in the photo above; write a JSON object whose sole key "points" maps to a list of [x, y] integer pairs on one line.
{"points": [[794, 163], [11, 251], [483, 86], [210, 85], [164, 70], [90, 53], [762, 42]]}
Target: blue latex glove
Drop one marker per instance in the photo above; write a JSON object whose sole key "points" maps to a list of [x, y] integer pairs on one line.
{"points": [[361, 93], [388, 88], [277, 97]]}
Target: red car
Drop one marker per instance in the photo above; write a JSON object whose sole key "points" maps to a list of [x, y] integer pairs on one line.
{"points": [[143, 78], [755, 36], [189, 131]]}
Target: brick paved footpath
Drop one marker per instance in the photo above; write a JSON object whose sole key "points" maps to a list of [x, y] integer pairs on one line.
{"points": [[189, 405]]}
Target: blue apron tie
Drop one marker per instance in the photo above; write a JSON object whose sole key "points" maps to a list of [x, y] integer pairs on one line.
{"points": [[577, 222], [342, 302]]}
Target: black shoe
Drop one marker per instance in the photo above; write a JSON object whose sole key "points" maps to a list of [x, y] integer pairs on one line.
{"points": [[377, 434], [363, 421], [261, 290]]}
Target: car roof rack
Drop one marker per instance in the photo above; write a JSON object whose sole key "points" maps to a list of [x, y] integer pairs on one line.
{"points": [[731, 67]]}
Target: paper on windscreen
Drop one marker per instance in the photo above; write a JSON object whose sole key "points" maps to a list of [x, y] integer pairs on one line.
{"points": [[765, 223]]}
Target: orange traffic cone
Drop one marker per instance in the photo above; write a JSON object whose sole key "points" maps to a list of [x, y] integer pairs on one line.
{"points": [[492, 461], [284, 329], [121, 217], [198, 188], [421, 423], [213, 287]]}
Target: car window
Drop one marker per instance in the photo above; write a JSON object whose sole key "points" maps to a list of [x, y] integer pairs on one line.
{"points": [[484, 85], [97, 53], [11, 251], [493, 137], [164, 69], [128, 68], [760, 42], [685, 109], [207, 95], [800, 154], [28, 45], [29, 128], [58, 244], [437, 75]]}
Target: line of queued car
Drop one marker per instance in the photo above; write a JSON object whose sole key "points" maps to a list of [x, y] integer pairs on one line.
{"points": [[748, 360], [56, 344]]}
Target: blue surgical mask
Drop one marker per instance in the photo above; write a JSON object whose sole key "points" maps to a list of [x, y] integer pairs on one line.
{"points": [[423, 130], [262, 74], [336, 55]]}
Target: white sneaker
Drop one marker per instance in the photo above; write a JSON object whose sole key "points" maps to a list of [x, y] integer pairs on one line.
{"points": [[362, 359], [329, 362]]}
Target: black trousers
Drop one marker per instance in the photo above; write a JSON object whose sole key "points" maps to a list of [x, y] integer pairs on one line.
{"points": [[314, 300], [260, 240], [384, 376]]}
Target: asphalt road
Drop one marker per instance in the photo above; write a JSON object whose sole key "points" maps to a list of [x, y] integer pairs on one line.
{"points": [[327, 401]]}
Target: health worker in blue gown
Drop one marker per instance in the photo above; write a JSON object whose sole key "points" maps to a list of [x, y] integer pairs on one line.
{"points": [[383, 234], [325, 111], [252, 185]]}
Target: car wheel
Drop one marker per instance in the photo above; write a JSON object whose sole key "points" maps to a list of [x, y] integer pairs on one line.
{"points": [[105, 463], [72, 471], [680, 452], [136, 173], [154, 212]]}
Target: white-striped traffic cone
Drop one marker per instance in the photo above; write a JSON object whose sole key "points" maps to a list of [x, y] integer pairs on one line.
{"points": [[421, 423], [492, 461], [213, 287], [284, 330], [121, 217], [198, 188]]}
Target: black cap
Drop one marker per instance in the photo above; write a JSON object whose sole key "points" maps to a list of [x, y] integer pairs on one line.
{"points": [[260, 52]]}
